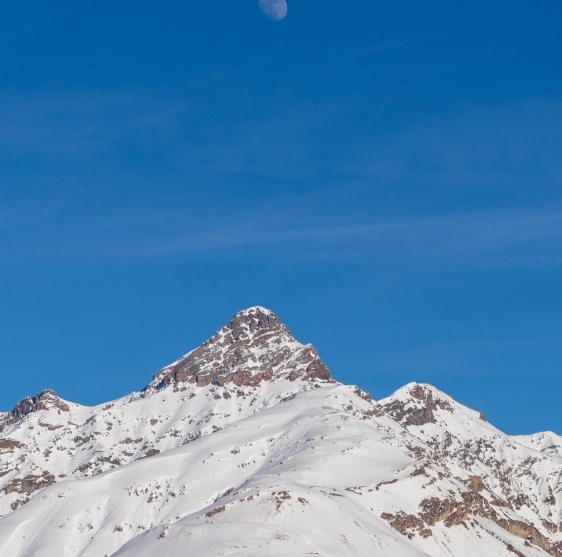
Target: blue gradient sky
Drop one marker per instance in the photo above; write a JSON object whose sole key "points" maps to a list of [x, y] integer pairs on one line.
{"points": [[385, 176]]}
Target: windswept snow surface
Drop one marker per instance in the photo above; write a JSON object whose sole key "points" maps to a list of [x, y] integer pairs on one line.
{"points": [[246, 446]]}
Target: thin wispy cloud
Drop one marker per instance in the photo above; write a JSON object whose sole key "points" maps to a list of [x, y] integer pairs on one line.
{"points": [[77, 125], [467, 237], [501, 237], [341, 209]]}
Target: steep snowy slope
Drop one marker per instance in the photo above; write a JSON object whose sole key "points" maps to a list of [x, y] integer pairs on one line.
{"points": [[247, 446]]}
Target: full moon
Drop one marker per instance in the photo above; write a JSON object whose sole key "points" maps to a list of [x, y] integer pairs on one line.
{"points": [[273, 9]]}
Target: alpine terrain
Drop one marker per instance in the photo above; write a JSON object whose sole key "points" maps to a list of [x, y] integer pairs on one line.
{"points": [[247, 446]]}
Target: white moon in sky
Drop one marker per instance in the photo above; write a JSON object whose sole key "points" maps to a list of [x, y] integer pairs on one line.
{"points": [[273, 9]]}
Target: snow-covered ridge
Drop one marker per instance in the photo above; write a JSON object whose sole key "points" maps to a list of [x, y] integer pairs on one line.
{"points": [[246, 446]]}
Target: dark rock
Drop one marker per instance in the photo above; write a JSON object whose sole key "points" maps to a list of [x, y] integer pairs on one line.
{"points": [[29, 484], [253, 347], [9, 445]]}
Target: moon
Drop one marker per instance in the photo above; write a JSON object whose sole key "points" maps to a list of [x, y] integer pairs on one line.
{"points": [[275, 10]]}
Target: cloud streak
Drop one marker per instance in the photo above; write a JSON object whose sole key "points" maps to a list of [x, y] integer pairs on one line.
{"points": [[501, 237], [177, 185], [462, 237]]}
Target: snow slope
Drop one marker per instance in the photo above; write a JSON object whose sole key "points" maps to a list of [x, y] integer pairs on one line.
{"points": [[247, 446]]}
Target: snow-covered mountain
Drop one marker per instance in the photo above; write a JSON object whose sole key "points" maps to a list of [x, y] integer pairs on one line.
{"points": [[247, 446]]}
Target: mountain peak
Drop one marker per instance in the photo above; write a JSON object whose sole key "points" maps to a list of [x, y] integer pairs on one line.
{"points": [[418, 404], [254, 346], [255, 310], [45, 400], [256, 321]]}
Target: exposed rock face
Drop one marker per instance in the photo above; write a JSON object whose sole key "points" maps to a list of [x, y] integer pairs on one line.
{"points": [[453, 512], [253, 347], [407, 524], [411, 412], [45, 400], [9, 445], [476, 484], [30, 483], [530, 533]]}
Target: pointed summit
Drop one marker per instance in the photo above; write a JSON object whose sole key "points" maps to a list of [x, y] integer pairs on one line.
{"points": [[255, 322], [254, 346]]}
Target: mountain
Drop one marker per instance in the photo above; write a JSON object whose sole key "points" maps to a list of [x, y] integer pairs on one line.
{"points": [[247, 446]]}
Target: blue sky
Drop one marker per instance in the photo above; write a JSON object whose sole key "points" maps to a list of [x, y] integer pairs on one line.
{"points": [[386, 177]]}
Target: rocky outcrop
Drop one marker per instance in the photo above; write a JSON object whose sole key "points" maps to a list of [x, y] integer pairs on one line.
{"points": [[9, 445], [417, 407], [407, 524], [529, 533], [453, 512], [30, 483], [45, 400], [476, 484], [253, 347]]}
